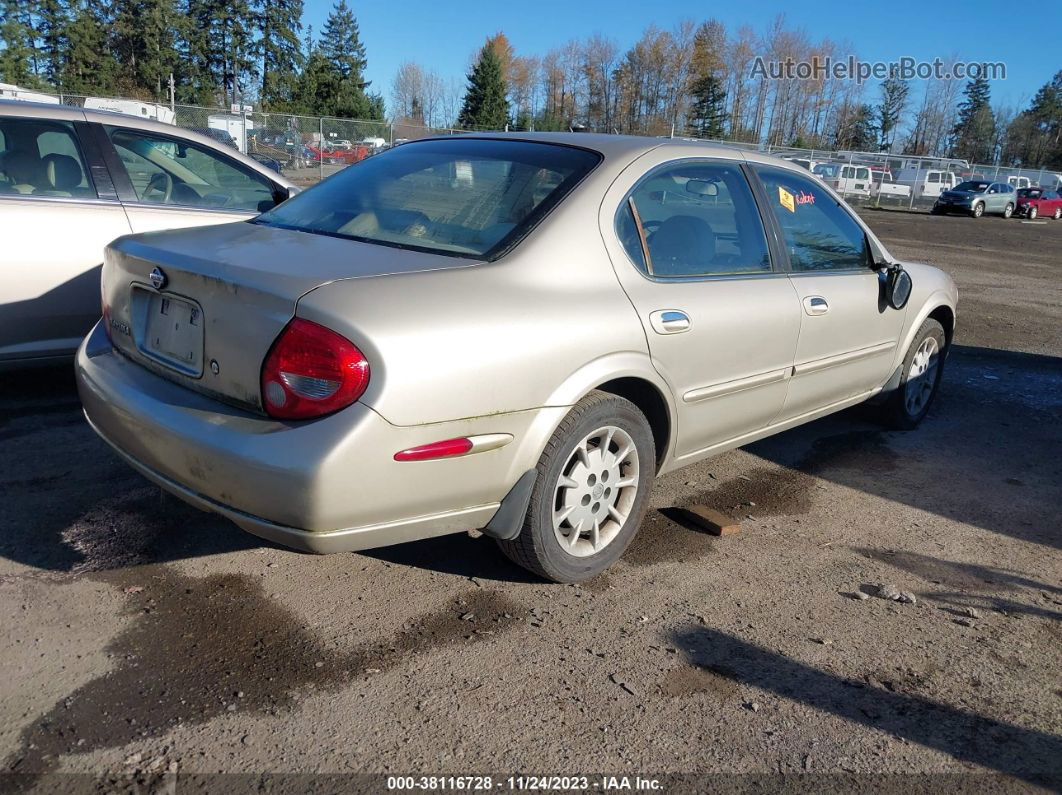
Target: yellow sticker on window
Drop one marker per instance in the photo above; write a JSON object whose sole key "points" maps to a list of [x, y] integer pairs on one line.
{"points": [[786, 199]]}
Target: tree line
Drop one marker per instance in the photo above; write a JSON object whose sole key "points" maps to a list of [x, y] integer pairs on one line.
{"points": [[692, 80], [698, 80], [219, 52]]}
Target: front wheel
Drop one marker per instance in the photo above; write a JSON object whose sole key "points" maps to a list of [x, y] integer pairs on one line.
{"points": [[1033, 212], [921, 371], [978, 210], [590, 496], [1008, 211], [1058, 213]]}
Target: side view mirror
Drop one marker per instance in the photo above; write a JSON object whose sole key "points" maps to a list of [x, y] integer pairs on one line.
{"points": [[898, 286]]}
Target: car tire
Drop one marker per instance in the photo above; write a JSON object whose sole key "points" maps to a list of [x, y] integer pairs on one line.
{"points": [[978, 210], [1058, 213], [936, 211], [566, 550], [912, 399], [1032, 213], [1008, 211]]}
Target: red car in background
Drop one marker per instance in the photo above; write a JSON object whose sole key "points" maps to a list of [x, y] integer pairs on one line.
{"points": [[1033, 202], [333, 155]]}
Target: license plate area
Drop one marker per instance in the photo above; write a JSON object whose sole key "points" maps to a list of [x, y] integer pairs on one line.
{"points": [[169, 329]]}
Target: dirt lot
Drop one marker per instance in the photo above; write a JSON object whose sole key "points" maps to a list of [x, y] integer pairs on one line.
{"points": [[141, 637]]}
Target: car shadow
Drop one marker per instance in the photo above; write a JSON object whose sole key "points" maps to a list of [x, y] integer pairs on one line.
{"points": [[1027, 754], [70, 505], [987, 454]]}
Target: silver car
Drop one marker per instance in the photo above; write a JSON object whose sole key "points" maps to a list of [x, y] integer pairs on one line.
{"points": [[512, 333], [73, 180]]}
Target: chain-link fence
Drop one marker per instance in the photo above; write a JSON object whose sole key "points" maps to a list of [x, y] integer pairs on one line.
{"points": [[306, 149]]}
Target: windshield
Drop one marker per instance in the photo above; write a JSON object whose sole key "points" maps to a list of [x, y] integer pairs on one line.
{"points": [[1029, 193], [973, 187], [827, 170], [465, 197]]}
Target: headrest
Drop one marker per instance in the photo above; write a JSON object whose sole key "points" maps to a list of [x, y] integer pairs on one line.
{"points": [[24, 168], [63, 171]]}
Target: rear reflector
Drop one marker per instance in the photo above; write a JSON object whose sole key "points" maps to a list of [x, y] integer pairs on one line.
{"points": [[311, 371], [445, 449]]}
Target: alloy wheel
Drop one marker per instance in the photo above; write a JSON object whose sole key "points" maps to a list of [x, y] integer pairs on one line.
{"points": [[922, 376], [595, 491]]}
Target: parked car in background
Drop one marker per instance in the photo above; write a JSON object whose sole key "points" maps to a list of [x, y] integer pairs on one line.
{"points": [[845, 178], [927, 183], [976, 198], [221, 136], [395, 354], [1034, 202], [72, 180]]}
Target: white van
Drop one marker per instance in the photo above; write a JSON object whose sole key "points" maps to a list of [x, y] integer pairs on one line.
{"points": [[1019, 182], [928, 182], [9, 91], [144, 110], [846, 178]]}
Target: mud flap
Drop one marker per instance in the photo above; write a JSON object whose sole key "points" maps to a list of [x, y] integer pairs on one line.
{"points": [[507, 522]]}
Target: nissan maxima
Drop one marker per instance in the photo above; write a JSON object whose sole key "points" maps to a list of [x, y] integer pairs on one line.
{"points": [[511, 333]]}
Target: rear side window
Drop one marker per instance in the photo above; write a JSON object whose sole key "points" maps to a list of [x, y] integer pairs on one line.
{"points": [[41, 157], [464, 197], [698, 219], [169, 171], [819, 233]]}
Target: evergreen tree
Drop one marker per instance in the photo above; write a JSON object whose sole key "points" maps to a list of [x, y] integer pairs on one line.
{"points": [[52, 22], [88, 67], [198, 66], [16, 57], [233, 42], [894, 93], [707, 114], [974, 132], [279, 24], [341, 44], [485, 106], [143, 40], [858, 131]]}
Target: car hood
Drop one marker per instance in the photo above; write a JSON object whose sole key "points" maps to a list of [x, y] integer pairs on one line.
{"points": [[960, 194]]}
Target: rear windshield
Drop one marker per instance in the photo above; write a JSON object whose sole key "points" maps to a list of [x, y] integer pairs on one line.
{"points": [[973, 187], [1029, 193], [464, 197]]}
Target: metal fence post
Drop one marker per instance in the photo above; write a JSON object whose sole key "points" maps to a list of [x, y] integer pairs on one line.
{"points": [[320, 149], [914, 185]]}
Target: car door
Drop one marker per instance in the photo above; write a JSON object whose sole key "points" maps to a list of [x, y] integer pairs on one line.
{"points": [[167, 182], [688, 244], [994, 200], [59, 211], [848, 336]]}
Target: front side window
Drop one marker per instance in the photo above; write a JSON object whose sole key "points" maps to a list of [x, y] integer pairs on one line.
{"points": [[465, 197], [173, 172], [698, 219], [42, 158], [819, 233]]}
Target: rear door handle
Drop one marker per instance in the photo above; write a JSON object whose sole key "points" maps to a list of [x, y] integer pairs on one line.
{"points": [[816, 305], [670, 321]]}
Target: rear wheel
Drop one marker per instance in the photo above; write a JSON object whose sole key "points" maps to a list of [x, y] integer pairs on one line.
{"points": [[978, 210], [1008, 211], [922, 369], [1032, 213], [593, 484]]}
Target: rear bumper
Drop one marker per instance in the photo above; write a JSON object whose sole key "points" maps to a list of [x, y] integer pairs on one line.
{"points": [[327, 485]]}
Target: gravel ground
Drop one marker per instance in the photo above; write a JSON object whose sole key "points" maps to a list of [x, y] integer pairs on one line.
{"points": [[141, 637]]}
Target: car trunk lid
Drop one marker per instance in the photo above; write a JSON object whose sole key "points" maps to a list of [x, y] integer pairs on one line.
{"points": [[203, 306]]}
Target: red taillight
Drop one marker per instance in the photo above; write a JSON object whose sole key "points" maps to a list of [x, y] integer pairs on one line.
{"points": [[311, 371], [446, 449]]}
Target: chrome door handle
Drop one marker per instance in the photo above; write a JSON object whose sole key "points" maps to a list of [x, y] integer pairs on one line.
{"points": [[816, 305], [670, 321]]}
